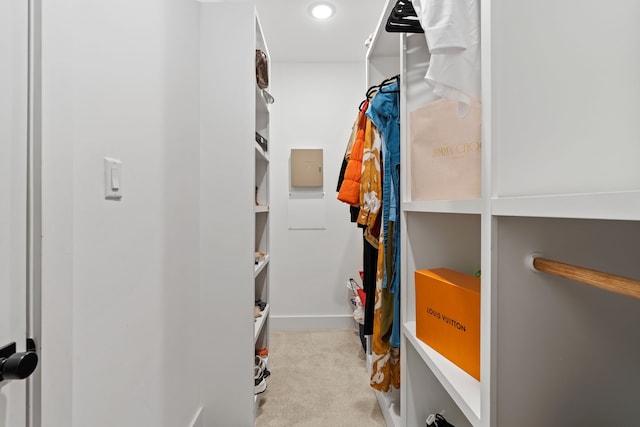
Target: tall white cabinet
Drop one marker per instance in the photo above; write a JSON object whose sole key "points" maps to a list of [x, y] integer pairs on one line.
{"points": [[560, 177], [234, 215]]}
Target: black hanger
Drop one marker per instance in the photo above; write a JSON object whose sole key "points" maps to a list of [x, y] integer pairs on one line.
{"points": [[403, 19], [387, 82], [370, 92], [380, 88]]}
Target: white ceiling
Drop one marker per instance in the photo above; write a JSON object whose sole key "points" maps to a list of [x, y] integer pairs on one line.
{"points": [[293, 35]]}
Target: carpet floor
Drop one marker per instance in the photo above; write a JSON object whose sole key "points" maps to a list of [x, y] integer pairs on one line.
{"points": [[318, 379]]}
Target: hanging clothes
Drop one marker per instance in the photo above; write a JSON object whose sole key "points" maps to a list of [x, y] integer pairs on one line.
{"points": [[385, 367], [353, 210], [384, 112], [350, 188], [370, 184], [373, 168], [369, 268], [370, 202], [347, 153]]}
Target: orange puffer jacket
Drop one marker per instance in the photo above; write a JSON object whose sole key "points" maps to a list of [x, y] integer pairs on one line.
{"points": [[350, 188]]}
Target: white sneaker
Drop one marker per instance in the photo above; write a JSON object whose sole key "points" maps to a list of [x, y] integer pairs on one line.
{"points": [[262, 364], [259, 380]]}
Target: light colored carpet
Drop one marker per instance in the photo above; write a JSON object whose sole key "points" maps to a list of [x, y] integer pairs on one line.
{"points": [[318, 379]]}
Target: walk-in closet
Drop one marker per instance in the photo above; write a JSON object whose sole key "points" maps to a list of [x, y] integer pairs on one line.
{"points": [[280, 212]]}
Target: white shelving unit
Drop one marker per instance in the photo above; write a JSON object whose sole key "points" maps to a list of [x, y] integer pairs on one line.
{"points": [[262, 213], [559, 177], [235, 214]]}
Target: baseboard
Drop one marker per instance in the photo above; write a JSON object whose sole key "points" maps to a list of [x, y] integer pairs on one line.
{"points": [[198, 420], [312, 322]]}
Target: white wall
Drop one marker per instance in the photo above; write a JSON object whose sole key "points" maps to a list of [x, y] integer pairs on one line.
{"points": [[120, 279], [315, 107]]}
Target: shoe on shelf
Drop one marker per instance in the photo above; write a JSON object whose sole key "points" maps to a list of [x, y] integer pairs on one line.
{"points": [[260, 383], [261, 386], [262, 365], [258, 257], [437, 420]]}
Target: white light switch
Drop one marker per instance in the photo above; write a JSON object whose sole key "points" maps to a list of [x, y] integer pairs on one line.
{"points": [[112, 179], [115, 179]]}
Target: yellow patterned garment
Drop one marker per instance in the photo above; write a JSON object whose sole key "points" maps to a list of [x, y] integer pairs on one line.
{"points": [[385, 370], [370, 182]]}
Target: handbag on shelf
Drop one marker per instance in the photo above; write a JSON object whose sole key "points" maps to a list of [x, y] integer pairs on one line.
{"points": [[262, 69]]}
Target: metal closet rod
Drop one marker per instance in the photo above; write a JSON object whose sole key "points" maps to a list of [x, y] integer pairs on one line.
{"points": [[610, 282]]}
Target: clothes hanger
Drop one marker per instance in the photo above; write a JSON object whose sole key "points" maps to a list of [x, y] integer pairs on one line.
{"points": [[403, 19], [370, 92], [379, 88], [390, 80]]}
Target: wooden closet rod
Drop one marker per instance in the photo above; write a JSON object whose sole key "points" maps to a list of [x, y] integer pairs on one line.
{"points": [[610, 282]]}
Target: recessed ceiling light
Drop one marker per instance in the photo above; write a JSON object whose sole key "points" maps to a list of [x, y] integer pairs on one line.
{"points": [[322, 11]]}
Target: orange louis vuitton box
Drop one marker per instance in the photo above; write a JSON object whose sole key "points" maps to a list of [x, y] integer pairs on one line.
{"points": [[448, 316]]}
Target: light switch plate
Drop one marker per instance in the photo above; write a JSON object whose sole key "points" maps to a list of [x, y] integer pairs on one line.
{"points": [[112, 179]]}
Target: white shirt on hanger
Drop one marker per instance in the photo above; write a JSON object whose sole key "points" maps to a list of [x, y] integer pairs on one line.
{"points": [[452, 31]]}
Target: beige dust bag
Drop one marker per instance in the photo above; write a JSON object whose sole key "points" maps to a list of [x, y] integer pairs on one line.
{"points": [[445, 151]]}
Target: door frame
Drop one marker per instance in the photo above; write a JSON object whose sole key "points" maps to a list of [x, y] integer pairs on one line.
{"points": [[34, 206]]}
